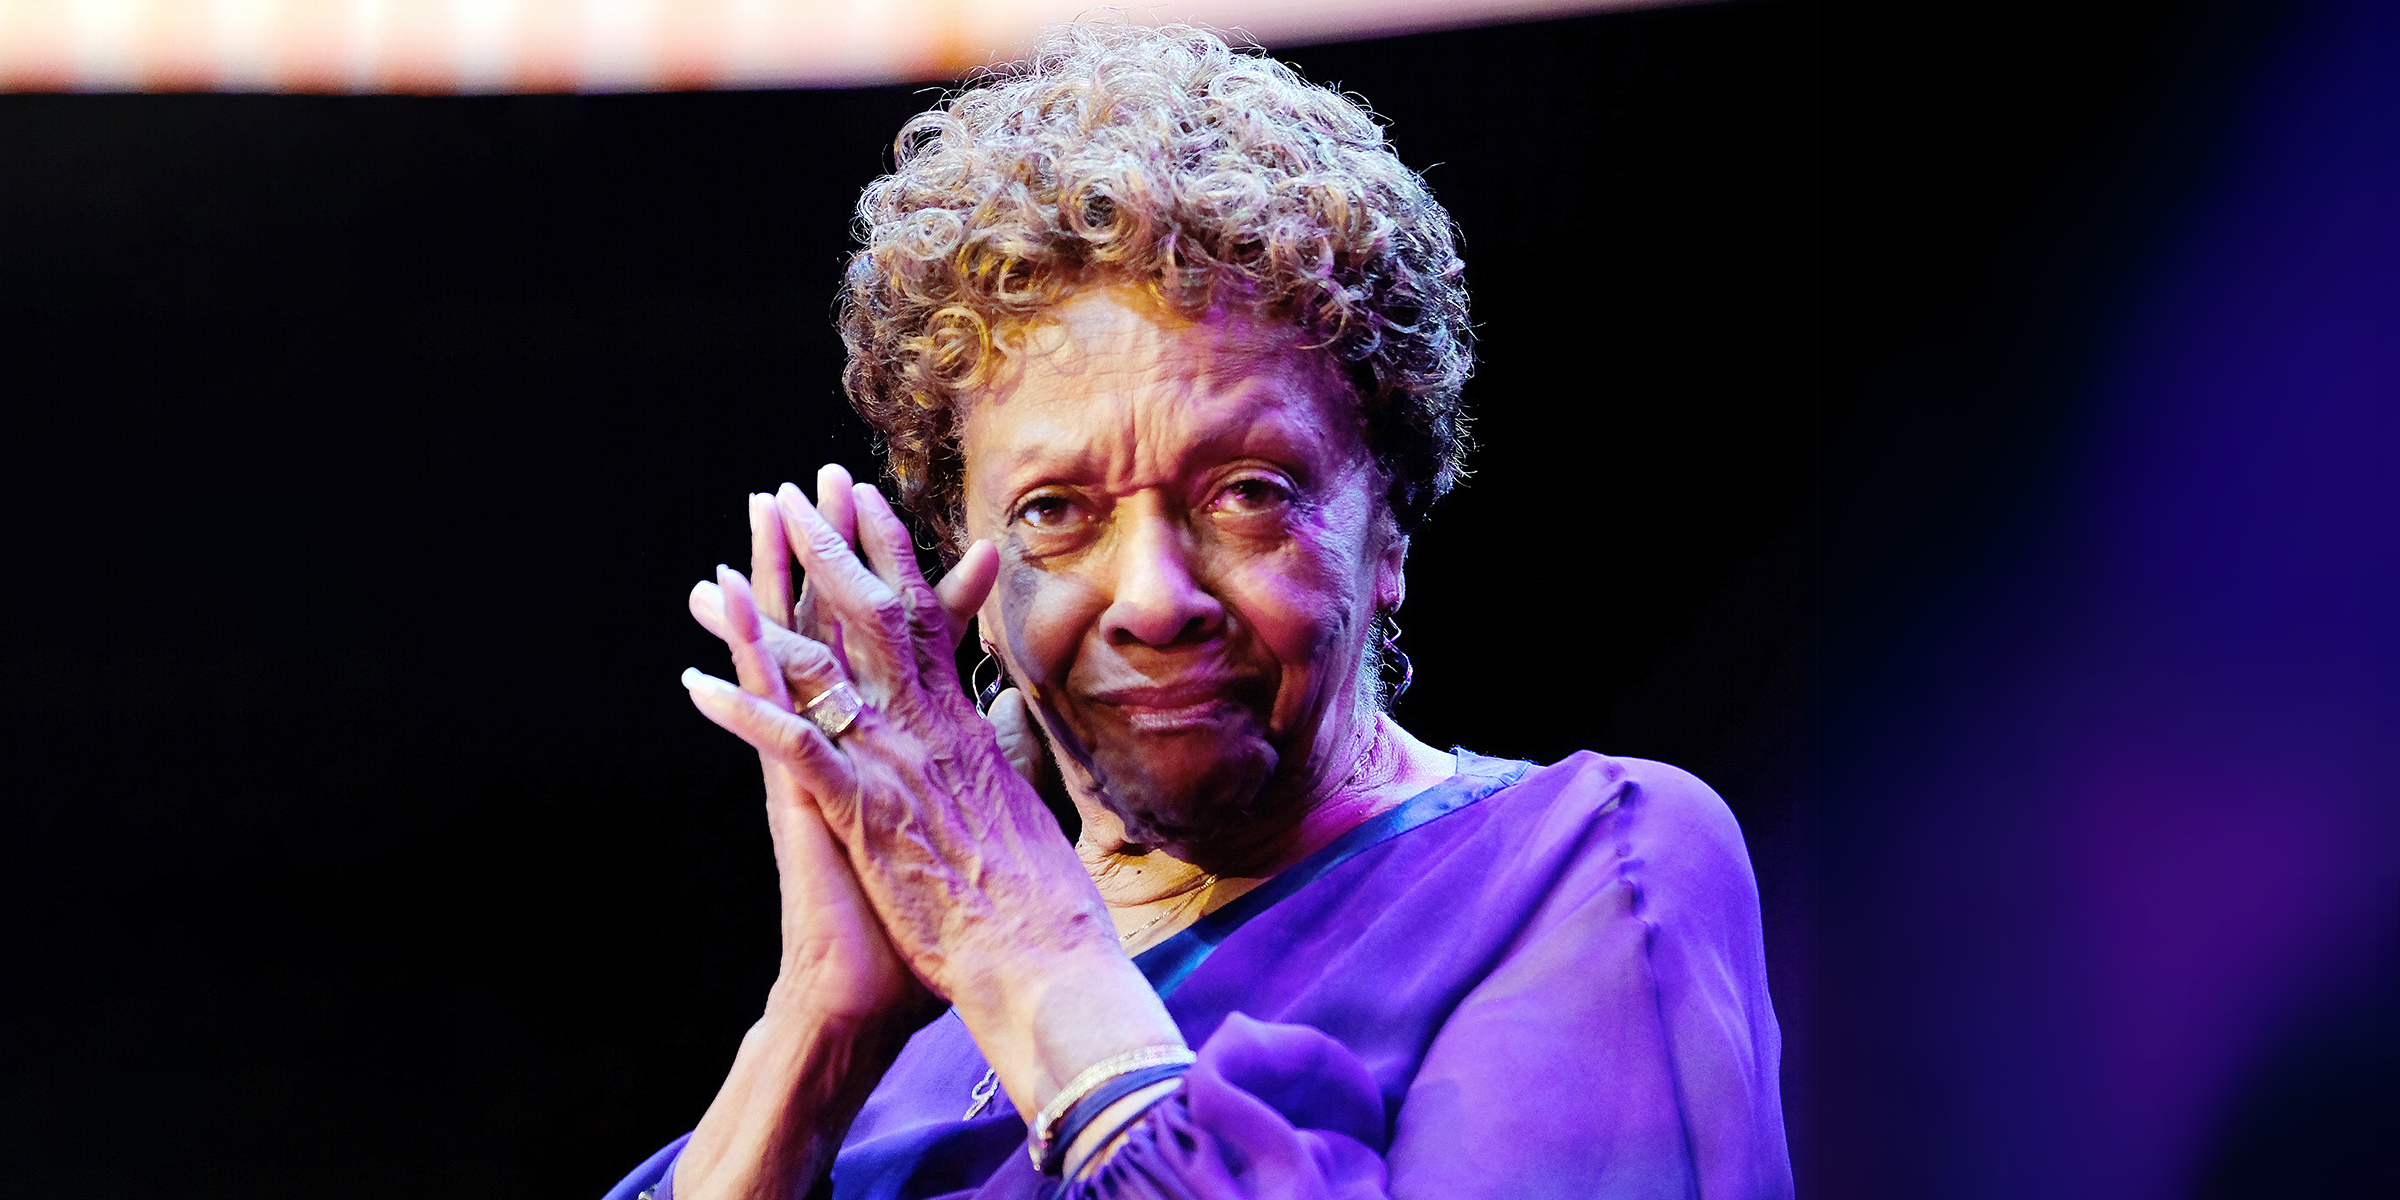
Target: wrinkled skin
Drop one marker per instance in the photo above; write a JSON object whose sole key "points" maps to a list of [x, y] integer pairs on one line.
{"points": [[1193, 545], [1190, 546]]}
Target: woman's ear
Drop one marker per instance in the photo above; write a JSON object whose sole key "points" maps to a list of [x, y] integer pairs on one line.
{"points": [[1391, 573]]}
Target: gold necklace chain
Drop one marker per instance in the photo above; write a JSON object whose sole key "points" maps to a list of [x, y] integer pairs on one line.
{"points": [[1208, 883]]}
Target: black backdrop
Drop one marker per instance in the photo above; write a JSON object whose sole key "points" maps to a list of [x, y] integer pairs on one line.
{"points": [[360, 451], [365, 448]]}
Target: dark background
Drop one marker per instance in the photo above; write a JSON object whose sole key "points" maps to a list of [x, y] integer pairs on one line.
{"points": [[364, 449], [360, 452]]}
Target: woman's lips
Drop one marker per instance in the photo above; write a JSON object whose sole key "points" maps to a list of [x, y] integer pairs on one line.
{"points": [[1172, 708]]}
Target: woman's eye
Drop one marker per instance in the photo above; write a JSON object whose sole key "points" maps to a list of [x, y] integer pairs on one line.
{"points": [[1252, 495], [1047, 512]]}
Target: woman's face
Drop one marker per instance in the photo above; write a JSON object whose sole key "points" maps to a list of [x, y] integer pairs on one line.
{"points": [[1193, 548]]}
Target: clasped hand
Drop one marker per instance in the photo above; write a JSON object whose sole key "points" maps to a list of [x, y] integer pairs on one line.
{"points": [[914, 854]]}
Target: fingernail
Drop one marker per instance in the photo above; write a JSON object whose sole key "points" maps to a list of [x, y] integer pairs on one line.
{"points": [[801, 506], [692, 678]]}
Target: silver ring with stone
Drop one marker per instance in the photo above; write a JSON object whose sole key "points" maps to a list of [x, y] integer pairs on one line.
{"points": [[835, 709]]}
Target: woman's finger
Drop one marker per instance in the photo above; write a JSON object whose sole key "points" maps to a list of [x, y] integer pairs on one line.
{"points": [[876, 645], [808, 666], [770, 561], [893, 553], [833, 501], [707, 603], [1019, 743], [833, 504], [962, 589], [760, 675], [787, 738], [884, 541]]}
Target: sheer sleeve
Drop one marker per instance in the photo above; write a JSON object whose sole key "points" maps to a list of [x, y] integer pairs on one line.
{"points": [[655, 1178], [1269, 1110]]}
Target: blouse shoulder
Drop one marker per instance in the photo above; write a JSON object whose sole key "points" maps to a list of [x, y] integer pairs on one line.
{"points": [[1590, 822], [1641, 946], [1651, 811]]}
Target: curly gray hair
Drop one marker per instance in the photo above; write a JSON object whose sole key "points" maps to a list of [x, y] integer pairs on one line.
{"points": [[1165, 158]]}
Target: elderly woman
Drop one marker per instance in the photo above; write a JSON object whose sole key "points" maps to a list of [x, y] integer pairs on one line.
{"points": [[1167, 346]]}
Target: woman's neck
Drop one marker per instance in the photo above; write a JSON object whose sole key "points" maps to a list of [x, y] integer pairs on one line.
{"points": [[1387, 766]]}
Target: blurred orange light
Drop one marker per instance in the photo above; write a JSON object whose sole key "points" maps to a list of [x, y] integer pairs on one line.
{"points": [[443, 46]]}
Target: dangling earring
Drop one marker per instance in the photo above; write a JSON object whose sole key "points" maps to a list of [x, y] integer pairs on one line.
{"points": [[990, 691], [1391, 646]]}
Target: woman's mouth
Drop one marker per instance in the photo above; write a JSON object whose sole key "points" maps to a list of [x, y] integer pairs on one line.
{"points": [[1173, 708]]}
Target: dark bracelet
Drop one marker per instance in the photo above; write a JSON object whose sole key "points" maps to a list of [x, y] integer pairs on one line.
{"points": [[1088, 1109]]}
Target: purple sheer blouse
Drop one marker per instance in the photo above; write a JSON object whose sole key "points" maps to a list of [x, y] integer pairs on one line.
{"points": [[1523, 982]]}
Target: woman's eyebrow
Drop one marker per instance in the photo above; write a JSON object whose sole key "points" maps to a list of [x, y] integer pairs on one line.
{"points": [[1045, 458], [1271, 423]]}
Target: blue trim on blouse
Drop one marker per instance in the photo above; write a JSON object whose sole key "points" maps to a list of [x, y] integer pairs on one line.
{"points": [[1167, 964]]}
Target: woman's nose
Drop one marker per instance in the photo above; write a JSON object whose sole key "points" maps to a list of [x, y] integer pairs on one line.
{"points": [[1158, 598]]}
